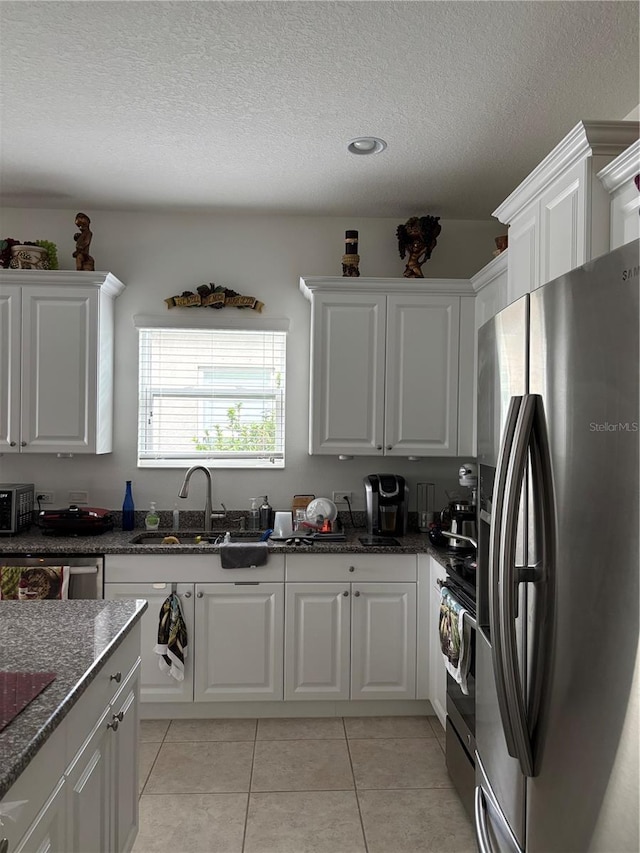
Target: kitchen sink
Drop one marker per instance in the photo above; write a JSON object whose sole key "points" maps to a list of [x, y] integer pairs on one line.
{"points": [[194, 537]]}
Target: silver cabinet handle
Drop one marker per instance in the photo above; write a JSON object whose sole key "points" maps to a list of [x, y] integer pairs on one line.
{"points": [[23, 444], [113, 725], [119, 716], [11, 444], [187, 595], [199, 594], [389, 446], [117, 677], [378, 447], [4, 845], [356, 594], [352, 568], [346, 592]]}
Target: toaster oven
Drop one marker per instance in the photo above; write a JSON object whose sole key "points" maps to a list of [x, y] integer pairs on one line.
{"points": [[16, 507]]}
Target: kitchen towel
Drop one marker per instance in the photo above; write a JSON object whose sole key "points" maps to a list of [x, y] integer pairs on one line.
{"points": [[243, 555], [30, 583], [455, 638], [172, 638]]}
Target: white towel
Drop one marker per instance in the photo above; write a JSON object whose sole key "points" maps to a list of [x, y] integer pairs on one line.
{"points": [[172, 638], [455, 638]]}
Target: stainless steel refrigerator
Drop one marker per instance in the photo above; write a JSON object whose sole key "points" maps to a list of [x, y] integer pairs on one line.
{"points": [[557, 666]]}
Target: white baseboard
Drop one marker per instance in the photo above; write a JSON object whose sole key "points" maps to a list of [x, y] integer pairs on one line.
{"points": [[230, 710]]}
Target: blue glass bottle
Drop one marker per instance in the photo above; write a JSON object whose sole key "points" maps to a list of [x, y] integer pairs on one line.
{"points": [[128, 509]]}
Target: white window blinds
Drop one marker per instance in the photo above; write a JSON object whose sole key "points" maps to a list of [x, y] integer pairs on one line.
{"points": [[211, 394]]}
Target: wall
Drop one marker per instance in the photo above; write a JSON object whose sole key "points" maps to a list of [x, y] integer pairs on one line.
{"points": [[159, 255]]}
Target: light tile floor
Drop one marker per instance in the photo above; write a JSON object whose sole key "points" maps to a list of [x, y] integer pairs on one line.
{"points": [[330, 785]]}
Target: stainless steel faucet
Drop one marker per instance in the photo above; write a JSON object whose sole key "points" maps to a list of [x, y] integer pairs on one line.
{"points": [[184, 491]]}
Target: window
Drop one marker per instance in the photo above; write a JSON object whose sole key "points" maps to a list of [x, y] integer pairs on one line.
{"points": [[211, 395]]}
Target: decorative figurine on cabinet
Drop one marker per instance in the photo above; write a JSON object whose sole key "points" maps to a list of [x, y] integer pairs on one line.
{"points": [[417, 237], [83, 237], [351, 258]]}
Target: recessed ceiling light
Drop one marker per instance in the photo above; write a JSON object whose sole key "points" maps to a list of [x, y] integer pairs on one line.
{"points": [[366, 145]]}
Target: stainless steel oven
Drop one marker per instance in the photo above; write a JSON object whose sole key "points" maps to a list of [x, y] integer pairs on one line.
{"points": [[461, 707], [86, 573]]}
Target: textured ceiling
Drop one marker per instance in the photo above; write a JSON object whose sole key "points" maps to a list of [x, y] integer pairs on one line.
{"points": [[250, 105]]}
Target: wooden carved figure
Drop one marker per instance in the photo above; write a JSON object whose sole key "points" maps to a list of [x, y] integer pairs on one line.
{"points": [[84, 261], [417, 237]]}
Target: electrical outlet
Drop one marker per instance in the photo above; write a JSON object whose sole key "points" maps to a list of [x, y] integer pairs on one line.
{"points": [[44, 497], [339, 497], [78, 497]]}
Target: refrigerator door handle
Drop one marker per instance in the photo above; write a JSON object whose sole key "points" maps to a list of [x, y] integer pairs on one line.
{"points": [[495, 537], [541, 573], [519, 740]]}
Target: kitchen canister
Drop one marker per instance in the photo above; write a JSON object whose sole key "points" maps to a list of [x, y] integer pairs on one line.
{"points": [[283, 524]]}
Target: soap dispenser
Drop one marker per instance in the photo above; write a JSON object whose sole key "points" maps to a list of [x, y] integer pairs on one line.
{"points": [[152, 519], [254, 515]]}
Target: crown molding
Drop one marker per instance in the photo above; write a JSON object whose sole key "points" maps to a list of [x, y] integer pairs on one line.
{"points": [[336, 284], [586, 139], [495, 268], [106, 281], [622, 169]]}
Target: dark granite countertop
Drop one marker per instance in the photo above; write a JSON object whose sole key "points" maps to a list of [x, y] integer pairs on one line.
{"points": [[34, 541], [74, 639]]}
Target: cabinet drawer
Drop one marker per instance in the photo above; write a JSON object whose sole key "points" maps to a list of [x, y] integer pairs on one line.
{"points": [[351, 567], [101, 692], [186, 568]]}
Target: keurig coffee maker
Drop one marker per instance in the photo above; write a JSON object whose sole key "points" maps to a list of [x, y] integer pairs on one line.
{"points": [[387, 500]]}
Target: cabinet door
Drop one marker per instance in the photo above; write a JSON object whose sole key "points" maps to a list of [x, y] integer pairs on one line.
{"points": [[347, 374], [523, 261], [9, 369], [437, 671], [59, 369], [563, 231], [239, 641], [124, 764], [89, 792], [47, 834], [156, 685], [317, 643], [421, 406], [383, 641]]}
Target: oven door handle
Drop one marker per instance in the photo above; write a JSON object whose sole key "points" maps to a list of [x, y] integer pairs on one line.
{"points": [[480, 813]]}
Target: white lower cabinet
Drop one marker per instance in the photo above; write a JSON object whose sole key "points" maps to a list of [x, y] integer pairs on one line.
{"points": [[80, 792], [47, 833], [156, 685], [102, 779], [317, 641], [383, 641], [239, 641], [348, 638]]}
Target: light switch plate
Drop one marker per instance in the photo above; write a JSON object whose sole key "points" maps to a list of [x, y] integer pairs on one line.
{"points": [[78, 497]]}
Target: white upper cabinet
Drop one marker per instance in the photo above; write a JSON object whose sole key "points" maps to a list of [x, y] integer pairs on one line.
{"points": [[559, 216], [391, 366], [56, 361], [618, 178]]}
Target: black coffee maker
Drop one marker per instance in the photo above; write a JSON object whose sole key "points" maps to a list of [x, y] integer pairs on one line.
{"points": [[387, 501]]}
